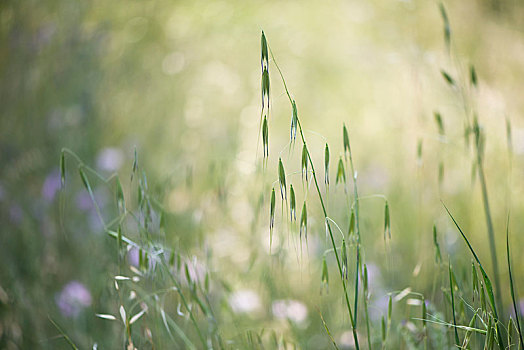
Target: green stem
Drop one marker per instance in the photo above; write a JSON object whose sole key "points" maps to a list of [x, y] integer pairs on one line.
{"points": [[491, 231], [313, 171], [353, 326]]}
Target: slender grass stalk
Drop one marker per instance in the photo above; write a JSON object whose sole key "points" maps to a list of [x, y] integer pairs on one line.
{"points": [[451, 287], [331, 236], [487, 211], [462, 88], [347, 148], [327, 330], [366, 297]]}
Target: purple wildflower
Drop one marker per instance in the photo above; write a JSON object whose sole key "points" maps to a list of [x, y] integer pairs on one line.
{"points": [[73, 298]]}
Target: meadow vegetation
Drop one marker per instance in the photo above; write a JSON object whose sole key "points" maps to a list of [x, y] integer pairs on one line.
{"points": [[174, 177]]}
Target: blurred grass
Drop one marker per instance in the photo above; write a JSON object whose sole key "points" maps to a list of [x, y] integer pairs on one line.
{"points": [[180, 81]]}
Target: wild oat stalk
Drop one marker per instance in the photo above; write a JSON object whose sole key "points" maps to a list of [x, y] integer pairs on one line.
{"points": [[296, 123], [473, 126]]}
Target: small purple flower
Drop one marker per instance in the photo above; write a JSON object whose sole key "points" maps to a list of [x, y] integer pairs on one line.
{"points": [[132, 257], [51, 186], [110, 159], [73, 298]]}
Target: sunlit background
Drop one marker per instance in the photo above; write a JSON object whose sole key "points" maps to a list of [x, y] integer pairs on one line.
{"points": [[178, 82]]}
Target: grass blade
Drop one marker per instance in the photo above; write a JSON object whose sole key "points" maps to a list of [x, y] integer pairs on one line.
{"points": [[487, 281], [513, 297], [451, 287]]}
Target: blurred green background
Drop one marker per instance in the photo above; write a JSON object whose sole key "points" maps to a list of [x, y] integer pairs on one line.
{"points": [[180, 82]]}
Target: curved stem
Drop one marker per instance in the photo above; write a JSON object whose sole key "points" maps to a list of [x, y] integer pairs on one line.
{"points": [[339, 265]]}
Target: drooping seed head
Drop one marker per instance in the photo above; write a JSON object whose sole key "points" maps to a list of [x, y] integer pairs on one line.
{"points": [[264, 51], [265, 87], [473, 75], [344, 256], [351, 230], [447, 28], [303, 221], [325, 276], [305, 162], [272, 210], [292, 204], [447, 77], [512, 334], [282, 179], [120, 197], [265, 137], [440, 123], [84, 179], [475, 280], [341, 173], [294, 122], [345, 138]]}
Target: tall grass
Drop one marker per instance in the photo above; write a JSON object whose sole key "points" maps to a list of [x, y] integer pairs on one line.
{"points": [[173, 300]]}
